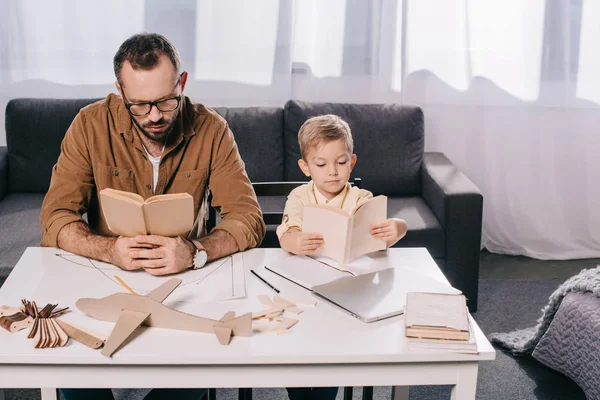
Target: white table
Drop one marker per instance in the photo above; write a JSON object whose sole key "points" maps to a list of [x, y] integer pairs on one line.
{"points": [[326, 348]]}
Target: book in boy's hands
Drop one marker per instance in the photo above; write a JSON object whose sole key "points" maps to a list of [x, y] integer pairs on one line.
{"points": [[436, 316], [346, 235], [128, 214]]}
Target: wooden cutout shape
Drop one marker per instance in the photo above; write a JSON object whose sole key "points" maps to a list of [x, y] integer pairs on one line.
{"points": [[228, 316], [265, 300], [63, 338], [79, 335], [281, 302], [54, 332], [128, 321], [223, 334], [6, 311], [294, 310], [111, 308], [34, 328], [163, 291]]}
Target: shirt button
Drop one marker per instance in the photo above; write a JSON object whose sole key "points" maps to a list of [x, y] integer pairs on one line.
{"points": [[116, 173], [188, 175], [148, 186]]}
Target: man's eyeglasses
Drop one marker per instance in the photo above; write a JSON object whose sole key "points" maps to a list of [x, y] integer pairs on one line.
{"points": [[143, 109]]}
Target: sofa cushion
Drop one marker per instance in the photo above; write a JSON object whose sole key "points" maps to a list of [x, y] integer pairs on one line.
{"points": [[34, 131], [20, 211], [424, 230], [257, 132], [388, 140]]}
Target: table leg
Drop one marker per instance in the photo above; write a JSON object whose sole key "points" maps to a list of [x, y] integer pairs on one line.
{"points": [[347, 392], [400, 392], [49, 394], [1, 394], [466, 387], [367, 393]]}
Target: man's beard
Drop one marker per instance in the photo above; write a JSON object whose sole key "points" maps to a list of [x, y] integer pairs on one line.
{"points": [[157, 136]]}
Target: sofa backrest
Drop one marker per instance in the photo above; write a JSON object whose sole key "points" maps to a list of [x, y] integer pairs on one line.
{"points": [[258, 134], [388, 140], [34, 131]]}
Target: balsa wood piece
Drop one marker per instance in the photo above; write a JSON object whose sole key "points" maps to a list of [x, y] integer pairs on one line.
{"points": [[163, 291], [228, 315], [63, 338], [304, 303], [79, 335], [131, 310], [223, 334], [294, 310], [265, 300], [281, 302], [16, 322], [128, 321], [6, 311]]}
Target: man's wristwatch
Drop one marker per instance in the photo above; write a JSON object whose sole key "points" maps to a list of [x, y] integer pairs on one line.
{"points": [[201, 255]]}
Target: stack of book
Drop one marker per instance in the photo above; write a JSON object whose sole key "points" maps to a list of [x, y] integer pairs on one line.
{"points": [[438, 322]]}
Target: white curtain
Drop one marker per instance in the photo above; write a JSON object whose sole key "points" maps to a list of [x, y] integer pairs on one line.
{"points": [[510, 88]]}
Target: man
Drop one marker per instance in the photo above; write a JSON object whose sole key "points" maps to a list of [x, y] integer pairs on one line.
{"points": [[149, 140]]}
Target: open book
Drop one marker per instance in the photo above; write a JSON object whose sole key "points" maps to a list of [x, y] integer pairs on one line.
{"points": [[127, 214], [346, 236]]}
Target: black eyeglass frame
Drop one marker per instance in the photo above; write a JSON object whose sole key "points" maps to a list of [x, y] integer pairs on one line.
{"points": [[153, 103]]}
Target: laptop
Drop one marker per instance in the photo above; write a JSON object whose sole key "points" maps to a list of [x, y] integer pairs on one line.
{"points": [[378, 295]]}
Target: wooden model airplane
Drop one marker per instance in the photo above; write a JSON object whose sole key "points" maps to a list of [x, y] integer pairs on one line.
{"points": [[129, 311]]}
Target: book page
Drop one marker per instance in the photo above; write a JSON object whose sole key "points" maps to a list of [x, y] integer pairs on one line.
{"points": [[169, 215], [123, 212], [333, 224], [437, 310], [372, 211], [305, 271]]}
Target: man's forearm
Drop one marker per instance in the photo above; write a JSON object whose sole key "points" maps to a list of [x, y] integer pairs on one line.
{"points": [[77, 238], [219, 244]]}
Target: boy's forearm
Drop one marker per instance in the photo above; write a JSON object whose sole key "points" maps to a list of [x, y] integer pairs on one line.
{"points": [[78, 238], [287, 241]]}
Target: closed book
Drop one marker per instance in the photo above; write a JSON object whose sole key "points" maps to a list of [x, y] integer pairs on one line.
{"points": [[436, 316]]}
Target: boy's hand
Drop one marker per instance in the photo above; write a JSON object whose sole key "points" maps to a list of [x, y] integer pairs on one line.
{"points": [[391, 230], [301, 242]]}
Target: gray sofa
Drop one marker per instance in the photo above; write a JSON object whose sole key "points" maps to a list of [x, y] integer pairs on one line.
{"points": [[442, 207]]}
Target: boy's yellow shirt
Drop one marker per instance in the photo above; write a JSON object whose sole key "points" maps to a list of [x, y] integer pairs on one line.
{"points": [[348, 199]]}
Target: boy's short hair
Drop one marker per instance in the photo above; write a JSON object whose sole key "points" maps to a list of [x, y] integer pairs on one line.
{"points": [[324, 129]]}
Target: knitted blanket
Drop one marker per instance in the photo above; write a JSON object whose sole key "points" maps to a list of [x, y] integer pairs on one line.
{"points": [[522, 342]]}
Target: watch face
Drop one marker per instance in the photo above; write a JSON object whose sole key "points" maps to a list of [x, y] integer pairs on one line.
{"points": [[200, 259]]}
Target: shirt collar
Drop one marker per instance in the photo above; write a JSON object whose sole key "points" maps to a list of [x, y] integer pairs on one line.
{"points": [[337, 201]]}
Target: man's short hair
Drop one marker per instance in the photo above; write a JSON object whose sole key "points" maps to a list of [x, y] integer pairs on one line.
{"points": [[323, 129], [143, 51]]}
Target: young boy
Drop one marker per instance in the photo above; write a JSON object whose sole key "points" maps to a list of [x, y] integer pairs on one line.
{"points": [[326, 147]]}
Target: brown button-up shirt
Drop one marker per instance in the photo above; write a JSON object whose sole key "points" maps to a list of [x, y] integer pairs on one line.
{"points": [[102, 149]]}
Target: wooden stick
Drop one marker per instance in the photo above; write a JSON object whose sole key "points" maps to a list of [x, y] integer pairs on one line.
{"points": [[130, 290]]}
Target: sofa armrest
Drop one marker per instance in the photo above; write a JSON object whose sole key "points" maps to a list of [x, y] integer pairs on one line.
{"points": [[458, 205], [3, 172]]}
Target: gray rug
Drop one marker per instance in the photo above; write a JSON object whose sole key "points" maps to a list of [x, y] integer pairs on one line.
{"points": [[504, 305]]}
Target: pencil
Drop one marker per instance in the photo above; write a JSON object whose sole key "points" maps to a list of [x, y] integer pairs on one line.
{"points": [[262, 279], [130, 290]]}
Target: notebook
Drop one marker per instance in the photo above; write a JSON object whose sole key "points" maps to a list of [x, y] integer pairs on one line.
{"points": [[378, 295]]}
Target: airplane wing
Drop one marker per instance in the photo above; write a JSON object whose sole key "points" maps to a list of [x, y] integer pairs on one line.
{"points": [[163, 291], [128, 321]]}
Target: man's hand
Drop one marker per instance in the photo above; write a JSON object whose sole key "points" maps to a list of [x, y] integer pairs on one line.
{"points": [[391, 230], [157, 255], [297, 242]]}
